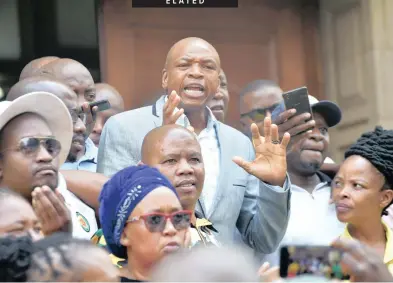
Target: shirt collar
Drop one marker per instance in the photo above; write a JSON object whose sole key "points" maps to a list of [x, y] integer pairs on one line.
{"points": [[90, 156], [320, 186], [388, 257], [91, 151], [183, 120]]}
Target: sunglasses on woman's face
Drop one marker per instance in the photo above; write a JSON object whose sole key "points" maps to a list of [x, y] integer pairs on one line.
{"points": [[30, 145], [156, 222]]}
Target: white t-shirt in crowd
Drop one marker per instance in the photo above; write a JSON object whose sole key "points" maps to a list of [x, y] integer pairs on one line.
{"points": [[313, 220], [84, 222]]}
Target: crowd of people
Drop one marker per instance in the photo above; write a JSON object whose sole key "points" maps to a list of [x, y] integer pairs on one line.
{"points": [[170, 192]]}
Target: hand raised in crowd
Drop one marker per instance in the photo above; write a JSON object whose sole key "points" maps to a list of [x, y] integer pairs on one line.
{"points": [[51, 211], [288, 122], [170, 116], [91, 115], [362, 262], [270, 164]]}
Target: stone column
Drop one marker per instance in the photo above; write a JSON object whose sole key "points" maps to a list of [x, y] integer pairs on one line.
{"points": [[357, 53]]}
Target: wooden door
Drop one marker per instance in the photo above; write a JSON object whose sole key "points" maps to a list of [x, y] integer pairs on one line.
{"points": [[357, 59]]}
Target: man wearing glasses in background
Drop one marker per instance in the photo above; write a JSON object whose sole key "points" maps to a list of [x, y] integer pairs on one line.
{"points": [[259, 99]]}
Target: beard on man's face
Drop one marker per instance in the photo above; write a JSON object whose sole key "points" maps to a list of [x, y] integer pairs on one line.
{"points": [[52, 183], [298, 163], [78, 145], [71, 157]]}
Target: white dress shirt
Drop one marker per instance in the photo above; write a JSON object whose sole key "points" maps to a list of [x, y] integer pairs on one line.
{"points": [[211, 159], [313, 220]]}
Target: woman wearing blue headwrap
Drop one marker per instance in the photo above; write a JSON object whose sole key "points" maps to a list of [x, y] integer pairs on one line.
{"points": [[142, 219]]}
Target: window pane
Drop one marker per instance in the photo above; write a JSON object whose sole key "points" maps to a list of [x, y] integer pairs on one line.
{"points": [[10, 48]]}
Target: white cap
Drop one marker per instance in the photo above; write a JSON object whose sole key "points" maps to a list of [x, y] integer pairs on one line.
{"points": [[312, 100]]}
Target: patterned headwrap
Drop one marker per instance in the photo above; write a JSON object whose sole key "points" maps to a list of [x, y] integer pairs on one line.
{"points": [[119, 197]]}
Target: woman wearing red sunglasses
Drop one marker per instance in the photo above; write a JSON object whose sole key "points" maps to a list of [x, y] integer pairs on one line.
{"points": [[142, 220]]}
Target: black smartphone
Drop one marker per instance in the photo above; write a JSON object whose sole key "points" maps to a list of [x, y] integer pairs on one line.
{"points": [[319, 261], [101, 104], [298, 99]]}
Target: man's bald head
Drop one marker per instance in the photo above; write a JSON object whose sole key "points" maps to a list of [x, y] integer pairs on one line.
{"points": [[106, 91], [32, 67], [191, 69], [55, 66], [156, 137], [73, 74], [176, 153], [41, 83], [190, 41]]}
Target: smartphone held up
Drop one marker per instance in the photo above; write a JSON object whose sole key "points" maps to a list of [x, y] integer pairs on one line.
{"points": [[316, 261], [102, 105], [297, 99]]}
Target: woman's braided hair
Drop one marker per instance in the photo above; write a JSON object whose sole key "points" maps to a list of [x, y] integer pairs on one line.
{"points": [[377, 148], [60, 258], [15, 258]]}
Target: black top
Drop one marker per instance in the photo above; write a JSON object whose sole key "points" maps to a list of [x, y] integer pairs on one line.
{"points": [[324, 178], [123, 279]]}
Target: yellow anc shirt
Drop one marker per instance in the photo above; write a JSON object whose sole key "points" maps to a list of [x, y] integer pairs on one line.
{"points": [[99, 240], [388, 257]]}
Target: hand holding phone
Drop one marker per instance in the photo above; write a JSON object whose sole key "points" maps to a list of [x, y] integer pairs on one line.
{"points": [[90, 110], [318, 261], [102, 105], [294, 114], [298, 99]]}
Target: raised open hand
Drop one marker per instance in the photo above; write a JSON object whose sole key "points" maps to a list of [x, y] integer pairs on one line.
{"points": [[270, 164], [170, 115]]}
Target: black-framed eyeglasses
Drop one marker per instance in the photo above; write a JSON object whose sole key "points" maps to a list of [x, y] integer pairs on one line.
{"points": [[30, 145], [260, 114]]}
